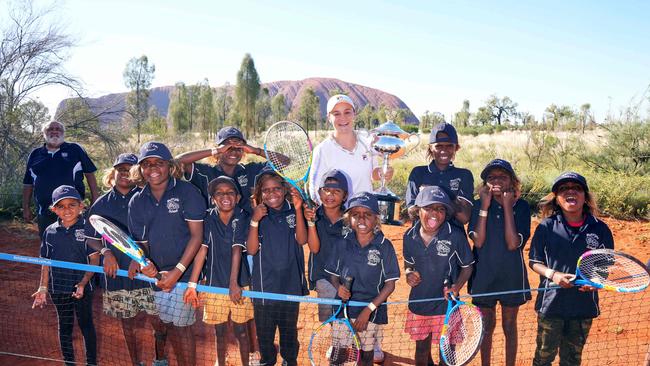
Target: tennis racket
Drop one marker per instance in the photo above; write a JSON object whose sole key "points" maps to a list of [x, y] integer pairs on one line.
{"points": [[610, 270], [335, 342], [462, 332], [119, 239], [288, 149]]}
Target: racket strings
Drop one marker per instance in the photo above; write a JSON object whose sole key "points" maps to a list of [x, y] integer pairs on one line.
{"points": [[463, 336], [289, 150], [611, 269], [334, 344]]}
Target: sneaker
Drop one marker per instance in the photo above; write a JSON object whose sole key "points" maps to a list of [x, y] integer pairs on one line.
{"points": [[162, 362]]}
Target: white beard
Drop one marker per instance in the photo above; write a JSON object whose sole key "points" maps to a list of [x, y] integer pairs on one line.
{"points": [[54, 140]]}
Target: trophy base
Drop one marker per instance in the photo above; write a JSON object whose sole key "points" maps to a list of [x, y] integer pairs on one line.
{"points": [[387, 202]]}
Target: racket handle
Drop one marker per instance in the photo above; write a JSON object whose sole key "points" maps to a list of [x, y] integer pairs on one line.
{"points": [[587, 283], [347, 282]]}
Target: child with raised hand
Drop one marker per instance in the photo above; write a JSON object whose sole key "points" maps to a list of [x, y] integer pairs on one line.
{"points": [[166, 217], [276, 234], [457, 182], [568, 229], [124, 299], [369, 259], [324, 227], [220, 258], [500, 228], [433, 250], [70, 290]]}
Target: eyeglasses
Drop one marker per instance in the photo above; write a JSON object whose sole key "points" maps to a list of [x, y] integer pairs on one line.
{"points": [[272, 190], [158, 164]]}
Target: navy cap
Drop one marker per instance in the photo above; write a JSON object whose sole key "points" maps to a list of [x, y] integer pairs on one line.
{"points": [[497, 163], [433, 194], [447, 128], [265, 170], [228, 132], [63, 192], [364, 199], [153, 149], [222, 179], [126, 158], [569, 177], [339, 176]]}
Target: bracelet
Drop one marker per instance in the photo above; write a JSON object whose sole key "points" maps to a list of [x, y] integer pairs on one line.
{"points": [[181, 267], [42, 289], [311, 224], [409, 270], [372, 307], [191, 285], [103, 251], [255, 223], [482, 213], [549, 273]]}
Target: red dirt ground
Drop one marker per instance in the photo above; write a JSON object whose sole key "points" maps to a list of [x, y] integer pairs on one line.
{"points": [[620, 336]]}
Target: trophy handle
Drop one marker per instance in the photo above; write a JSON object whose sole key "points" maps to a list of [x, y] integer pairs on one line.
{"points": [[414, 134]]}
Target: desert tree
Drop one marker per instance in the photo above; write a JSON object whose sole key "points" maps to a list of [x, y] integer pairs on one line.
{"points": [[138, 75], [247, 90], [278, 108]]}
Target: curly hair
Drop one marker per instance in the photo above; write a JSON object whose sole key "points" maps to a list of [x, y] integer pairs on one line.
{"points": [[257, 190], [175, 170]]}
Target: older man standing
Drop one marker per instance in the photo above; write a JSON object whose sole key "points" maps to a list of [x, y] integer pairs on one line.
{"points": [[54, 164]]}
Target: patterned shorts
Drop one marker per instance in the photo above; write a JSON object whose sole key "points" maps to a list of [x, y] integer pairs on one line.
{"points": [[420, 326], [124, 304], [218, 307]]}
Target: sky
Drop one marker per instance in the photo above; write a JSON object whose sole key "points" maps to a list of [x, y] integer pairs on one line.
{"points": [[432, 55]]}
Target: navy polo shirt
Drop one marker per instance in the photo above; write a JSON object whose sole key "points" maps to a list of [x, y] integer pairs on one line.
{"points": [[68, 245], [163, 223], [220, 239], [47, 171], [458, 182], [328, 233], [370, 266], [114, 206], [435, 261], [244, 176], [497, 268], [558, 246], [279, 264]]}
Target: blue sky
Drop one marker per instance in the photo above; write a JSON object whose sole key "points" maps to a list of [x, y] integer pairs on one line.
{"points": [[432, 55]]}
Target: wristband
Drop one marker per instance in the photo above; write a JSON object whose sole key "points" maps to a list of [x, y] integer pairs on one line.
{"points": [[191, 285], [311, 224], [409, 270], [103, 251], [482, 213], [42, 289], [255, 223], [372, 307], [549, 273], [181, 267]]}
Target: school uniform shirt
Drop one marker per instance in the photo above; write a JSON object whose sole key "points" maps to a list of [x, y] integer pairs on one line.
{"points": [[558, 246], [279, 264], [114, 206], [68, 245], [220, 239], [163, 224], [328, 233], [46, 171], [356, 164], [370, 267], [244, 177], [435, 261], [458, 182], [497, 268]]}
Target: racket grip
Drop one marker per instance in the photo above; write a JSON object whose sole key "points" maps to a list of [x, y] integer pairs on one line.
{"points": [[587, 283], [347, 282]]}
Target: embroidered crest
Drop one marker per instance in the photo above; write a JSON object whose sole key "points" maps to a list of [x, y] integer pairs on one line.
{"points": [[291, 221], [593, 241], [454, 184], [345, 230], [364, 157], [173, 204], [79, 235], [373, 257], [151, 147], [64, 154], [242, 180], [443, 247]]}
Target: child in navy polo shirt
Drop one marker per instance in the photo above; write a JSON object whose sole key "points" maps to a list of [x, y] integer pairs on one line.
{"points": [[220, 257], [275, 238], [369, 258], [124, 299], [458, 182], [568, 229], [166, 217], [433, 250], [500, 228], [70, 290], [324, 227]]}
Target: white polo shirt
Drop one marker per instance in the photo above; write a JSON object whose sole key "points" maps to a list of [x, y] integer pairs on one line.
{"points": [[356, 164]]}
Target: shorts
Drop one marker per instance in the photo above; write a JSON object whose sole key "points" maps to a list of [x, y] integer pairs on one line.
{"points": [[218, 307], [325, 290], [491, 301], [367, 338], [172, 309], [125, 304], [420, 326]]}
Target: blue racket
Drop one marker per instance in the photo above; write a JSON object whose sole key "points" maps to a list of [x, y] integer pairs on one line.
{"points": [[462, 332]]}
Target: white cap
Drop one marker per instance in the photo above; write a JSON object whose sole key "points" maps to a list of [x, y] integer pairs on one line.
{"points": [[338, 98]]}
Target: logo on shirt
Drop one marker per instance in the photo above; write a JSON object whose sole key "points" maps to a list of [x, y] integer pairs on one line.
{"points": [[64, 154], [443, 247], [454, 184], [373, 257], [345, 230], [173, 204], [79, 235], [242, 180], [593, 241], [364, 157], [234, 224], [291, 221]]}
